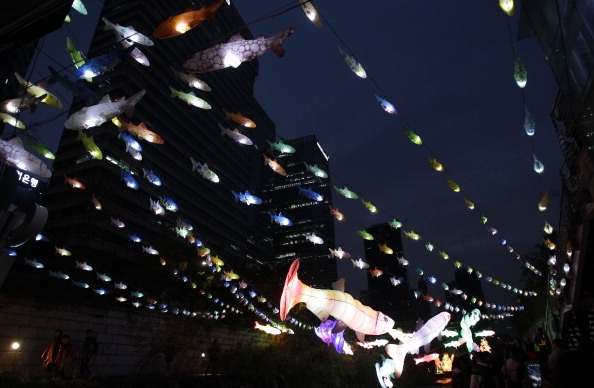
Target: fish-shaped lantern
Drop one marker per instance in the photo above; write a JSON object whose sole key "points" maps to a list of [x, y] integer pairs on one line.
{"points": [[191, 80], [280, 219], [239, 118], [130, 141], [79, 7], [340, 305], [236, 51], [169, 203], [337, 214], [386, 105], [190, 98], [364, 235], [339, 253], [309, 193], [181, 23], [274, 165], [34, 263], [345, 192], [529, 123], [412, 235], [247, 198], [236, 135], [140, 131], [507, 6], [268, 329], [80, 284], [376, 272], [311, 12], [59, 275], [369, 206], [384, 248], [14, 154], [128, 36], [466, 323], [453, 185], [156, 207], [117, 222], [38, 91], [204, 170], [150, 250], [359, 263], [76, 87], [11, 120], [352, 63], [538, 166], [520, 73], [316, 170], [128, 179], [104, 277], [98, 65], [94, 115], [426, 358], [63, 251], [394, 224], [150, 176], [281, 147], [412, 136], [84, 266], [96, 203], [77, 56], [74, 182], [313, 238], [90, 145], [435, 164], [469, 204], [421, 337], [544, 201]]}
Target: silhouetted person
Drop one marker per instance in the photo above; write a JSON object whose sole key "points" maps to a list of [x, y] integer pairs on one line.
{"points": [[50, 353], [89, 349], [65, 357]]}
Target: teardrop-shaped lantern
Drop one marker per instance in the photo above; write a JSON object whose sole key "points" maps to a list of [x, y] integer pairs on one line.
{"points": [[544, 202], [548, 228], [507, 6], [529, 123], [435, 164], [520, 73], [538, 166], [412, 136]]}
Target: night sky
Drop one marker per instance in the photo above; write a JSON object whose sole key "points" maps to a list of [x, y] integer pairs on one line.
{"points": [[448, 68]]}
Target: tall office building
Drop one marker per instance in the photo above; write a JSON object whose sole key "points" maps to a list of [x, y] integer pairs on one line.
{"points": [[564, 31], [383, 295], [208, 207], [312, 231]]}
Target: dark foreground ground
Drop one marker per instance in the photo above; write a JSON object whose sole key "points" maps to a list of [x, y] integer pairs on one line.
{"points": [[10, 380]]}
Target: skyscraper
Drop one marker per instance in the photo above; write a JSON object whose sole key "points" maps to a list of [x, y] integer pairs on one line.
{"points": [[304, 196], [390, 292], [208, 216]]}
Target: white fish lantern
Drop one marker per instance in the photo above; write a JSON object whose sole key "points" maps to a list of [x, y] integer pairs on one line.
{"points": [[538, 166], [529, 123], [520, 73]]}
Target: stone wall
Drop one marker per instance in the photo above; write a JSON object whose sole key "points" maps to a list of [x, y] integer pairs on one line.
{"points": [[131, 341]]}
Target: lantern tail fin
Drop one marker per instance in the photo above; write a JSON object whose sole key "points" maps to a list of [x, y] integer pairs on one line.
{"points": [[291, 291], [276, 42], [397, 353]]}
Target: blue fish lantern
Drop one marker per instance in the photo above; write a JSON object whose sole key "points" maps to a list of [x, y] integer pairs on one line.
{"points": [[129, 179], [309, 193]]}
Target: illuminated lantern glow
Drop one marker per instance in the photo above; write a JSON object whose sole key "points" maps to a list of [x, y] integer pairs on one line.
{"points": [[181, 23], [435, 164], [312, 13], [386, 105], [281, 147], [507, 6], [339, 253], [239, 119], [236, 51], [549, 244], [412, 136], [520, 73], [453, 185], [14, 154], [190, 98], [345, 192], [548, 228], [369, 206], [353, 64], [412, 235], [204, 171], [340, 305], [384, 248], [395, 224], [544, 201], [469, 203], [538, 166], [74, 182], [529, 123], [337, 214], [38, 92], [316, 171], [569, 248], [236, 135], [359, 263]]}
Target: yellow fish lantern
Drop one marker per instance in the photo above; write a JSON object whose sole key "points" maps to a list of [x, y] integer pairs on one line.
{"points": [[337, 214], [544, 202], [469, 203], [412, 136], [453, 185], [230, 275], [365, 235], [507, 6], [444, 255], [435, 164], [549, 244], [412, 235], [369, 206], [385, 249], [217, 261]]}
